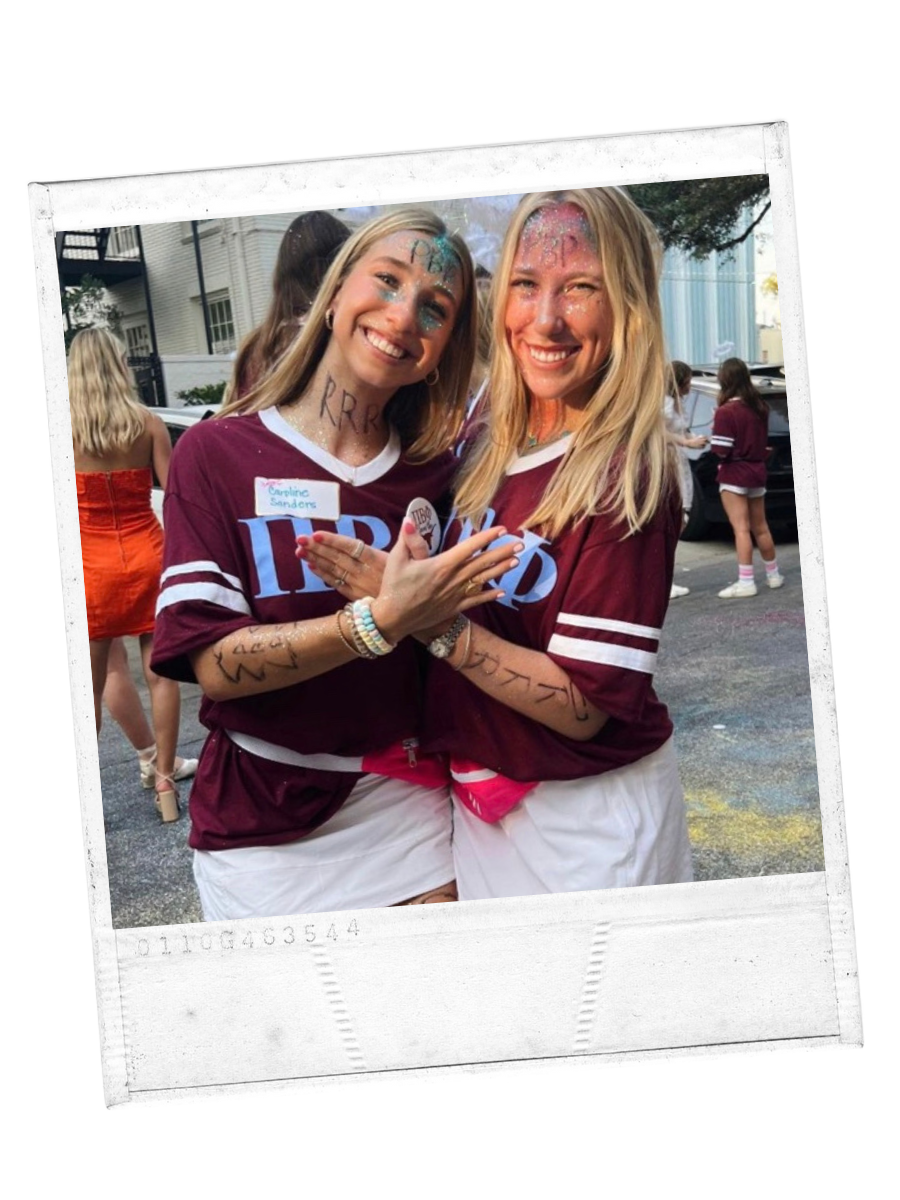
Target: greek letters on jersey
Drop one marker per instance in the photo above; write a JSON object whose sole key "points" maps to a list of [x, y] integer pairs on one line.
{"points": [[229, 568], [594, 600]]}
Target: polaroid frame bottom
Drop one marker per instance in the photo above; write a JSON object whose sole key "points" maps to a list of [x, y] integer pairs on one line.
{"points": [[661, 968]]}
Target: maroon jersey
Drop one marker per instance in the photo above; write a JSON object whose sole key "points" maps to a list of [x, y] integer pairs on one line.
{"points": [[230, 565], [594, 600], [739, 437]]}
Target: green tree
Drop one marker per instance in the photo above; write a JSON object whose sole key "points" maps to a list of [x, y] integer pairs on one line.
{"points": [[87, 305], [704, 215]]}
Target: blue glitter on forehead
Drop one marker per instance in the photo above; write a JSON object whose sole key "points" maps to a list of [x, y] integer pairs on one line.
{"points": [[436, 255]]}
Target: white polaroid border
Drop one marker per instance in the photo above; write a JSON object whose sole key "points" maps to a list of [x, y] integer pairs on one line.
{"points": [[662, 969]]}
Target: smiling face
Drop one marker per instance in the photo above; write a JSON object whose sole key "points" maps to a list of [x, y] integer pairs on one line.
{"points": [[559, 321], [394, 312]]}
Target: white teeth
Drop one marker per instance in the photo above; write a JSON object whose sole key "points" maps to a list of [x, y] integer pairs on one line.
{"points": [[550, 356], [385, 347]]}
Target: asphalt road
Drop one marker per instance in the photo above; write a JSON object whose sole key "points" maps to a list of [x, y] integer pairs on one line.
{"points": [[734, 674]]}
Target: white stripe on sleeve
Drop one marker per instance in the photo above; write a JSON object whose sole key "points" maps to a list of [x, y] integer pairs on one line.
{"points": [[641, 631], [200, 565], [213, 592], [604, 653]]}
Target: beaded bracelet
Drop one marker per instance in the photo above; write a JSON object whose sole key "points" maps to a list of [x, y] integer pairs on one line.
{"points": [[467, 645], [359, 646], [364, 624], [351, 646]]}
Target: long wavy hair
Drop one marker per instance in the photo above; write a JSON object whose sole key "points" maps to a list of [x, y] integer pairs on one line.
{"points": [[736, 384], [619, 461], [426, 416], [680, 375], [106, 414], [306, 252]]}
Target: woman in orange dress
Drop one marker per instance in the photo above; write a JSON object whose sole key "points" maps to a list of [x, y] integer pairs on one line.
{"points": [[116, 442]]}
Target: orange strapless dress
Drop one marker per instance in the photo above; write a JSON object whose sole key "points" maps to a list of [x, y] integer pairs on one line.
{"points": [[121, 548]]}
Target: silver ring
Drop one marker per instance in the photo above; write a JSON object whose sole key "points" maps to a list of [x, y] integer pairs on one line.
{"points": [[358, 552], [340, 582]]}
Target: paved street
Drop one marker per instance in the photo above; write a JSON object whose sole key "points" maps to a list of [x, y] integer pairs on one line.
{"points": [[735, 676]]}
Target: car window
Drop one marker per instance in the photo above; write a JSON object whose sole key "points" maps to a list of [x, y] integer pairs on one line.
{"points": [[778, 414], [175, 431], [700, 408]]}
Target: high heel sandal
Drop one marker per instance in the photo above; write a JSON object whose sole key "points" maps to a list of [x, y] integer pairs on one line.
{"points": [[184, 768], [168, 806]]}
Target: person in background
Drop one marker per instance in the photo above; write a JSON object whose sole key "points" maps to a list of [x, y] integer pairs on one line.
{"points": [[739, 435], [116, 441], [305, 254], [124, 706], [679, 386]]}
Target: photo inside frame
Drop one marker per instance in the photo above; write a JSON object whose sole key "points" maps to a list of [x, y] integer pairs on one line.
{"points": [[753, 778], [747, 744]]}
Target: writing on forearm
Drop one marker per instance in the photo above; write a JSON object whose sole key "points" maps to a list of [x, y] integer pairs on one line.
{"points": [[531, 691], [254, 657]]}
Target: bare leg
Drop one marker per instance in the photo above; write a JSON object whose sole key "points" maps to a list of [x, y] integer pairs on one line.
{"points": [[737, 510], [122, 699], [165, 701], [760, 528], [99, 660]]}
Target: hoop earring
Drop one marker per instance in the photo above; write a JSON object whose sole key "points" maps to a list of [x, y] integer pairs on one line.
{"points": [[329, 319], [431, 382]]}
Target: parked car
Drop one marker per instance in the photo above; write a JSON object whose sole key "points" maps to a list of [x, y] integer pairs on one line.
{"points": [[177, 420], [775, 370], [706, 509]]}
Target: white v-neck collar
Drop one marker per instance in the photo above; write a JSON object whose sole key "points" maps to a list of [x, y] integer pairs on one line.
{"points": [[357, 476], [537, 458]]}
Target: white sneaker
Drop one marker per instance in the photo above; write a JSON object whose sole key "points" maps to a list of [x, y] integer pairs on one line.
{"points": [[736, 591], [776, 580], [678, 590]]}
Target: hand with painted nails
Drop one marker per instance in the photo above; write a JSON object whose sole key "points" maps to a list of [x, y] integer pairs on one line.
{"points": [[422, 593], [347, 564]]}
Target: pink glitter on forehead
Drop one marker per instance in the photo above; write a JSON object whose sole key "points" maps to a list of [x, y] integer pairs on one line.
{"points": [[555, 229]]}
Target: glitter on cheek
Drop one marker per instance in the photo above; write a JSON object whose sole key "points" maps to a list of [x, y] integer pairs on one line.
{"points": [[429, 322]]}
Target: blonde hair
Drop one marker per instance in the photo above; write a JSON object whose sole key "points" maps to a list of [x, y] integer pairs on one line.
{"points": [[106, 414], [619, 460], [426, 416]]}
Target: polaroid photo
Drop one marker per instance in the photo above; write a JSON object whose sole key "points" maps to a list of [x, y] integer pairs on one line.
{"points": [[721, 969]]}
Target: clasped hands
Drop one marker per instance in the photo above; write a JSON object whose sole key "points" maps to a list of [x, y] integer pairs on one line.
{"points": [[413, 592]]}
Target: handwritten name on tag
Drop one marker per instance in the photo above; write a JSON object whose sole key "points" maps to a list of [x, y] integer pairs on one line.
{"points": [[313, 498]]}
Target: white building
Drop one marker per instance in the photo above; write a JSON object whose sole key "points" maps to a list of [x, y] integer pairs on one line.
{"points": [[189, 292]]}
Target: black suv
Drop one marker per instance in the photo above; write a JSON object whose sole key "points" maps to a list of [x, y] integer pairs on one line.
{"points": [[706, 509]]}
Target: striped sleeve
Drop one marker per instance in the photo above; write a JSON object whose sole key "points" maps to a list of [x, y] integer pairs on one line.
{"points": [[721, 441], [607, 631], [202, 597]]}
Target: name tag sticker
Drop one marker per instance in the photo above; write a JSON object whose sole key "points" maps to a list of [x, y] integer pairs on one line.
{"points": [[423, 513], [313, 498]]}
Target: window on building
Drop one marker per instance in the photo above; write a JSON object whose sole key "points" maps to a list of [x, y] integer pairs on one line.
{"points": [[123, 242], [221, 324], [137, 341]]}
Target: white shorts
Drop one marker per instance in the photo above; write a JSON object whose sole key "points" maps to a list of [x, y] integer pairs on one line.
{"points": [[388, 842], [750, 493], [622, 829]]}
